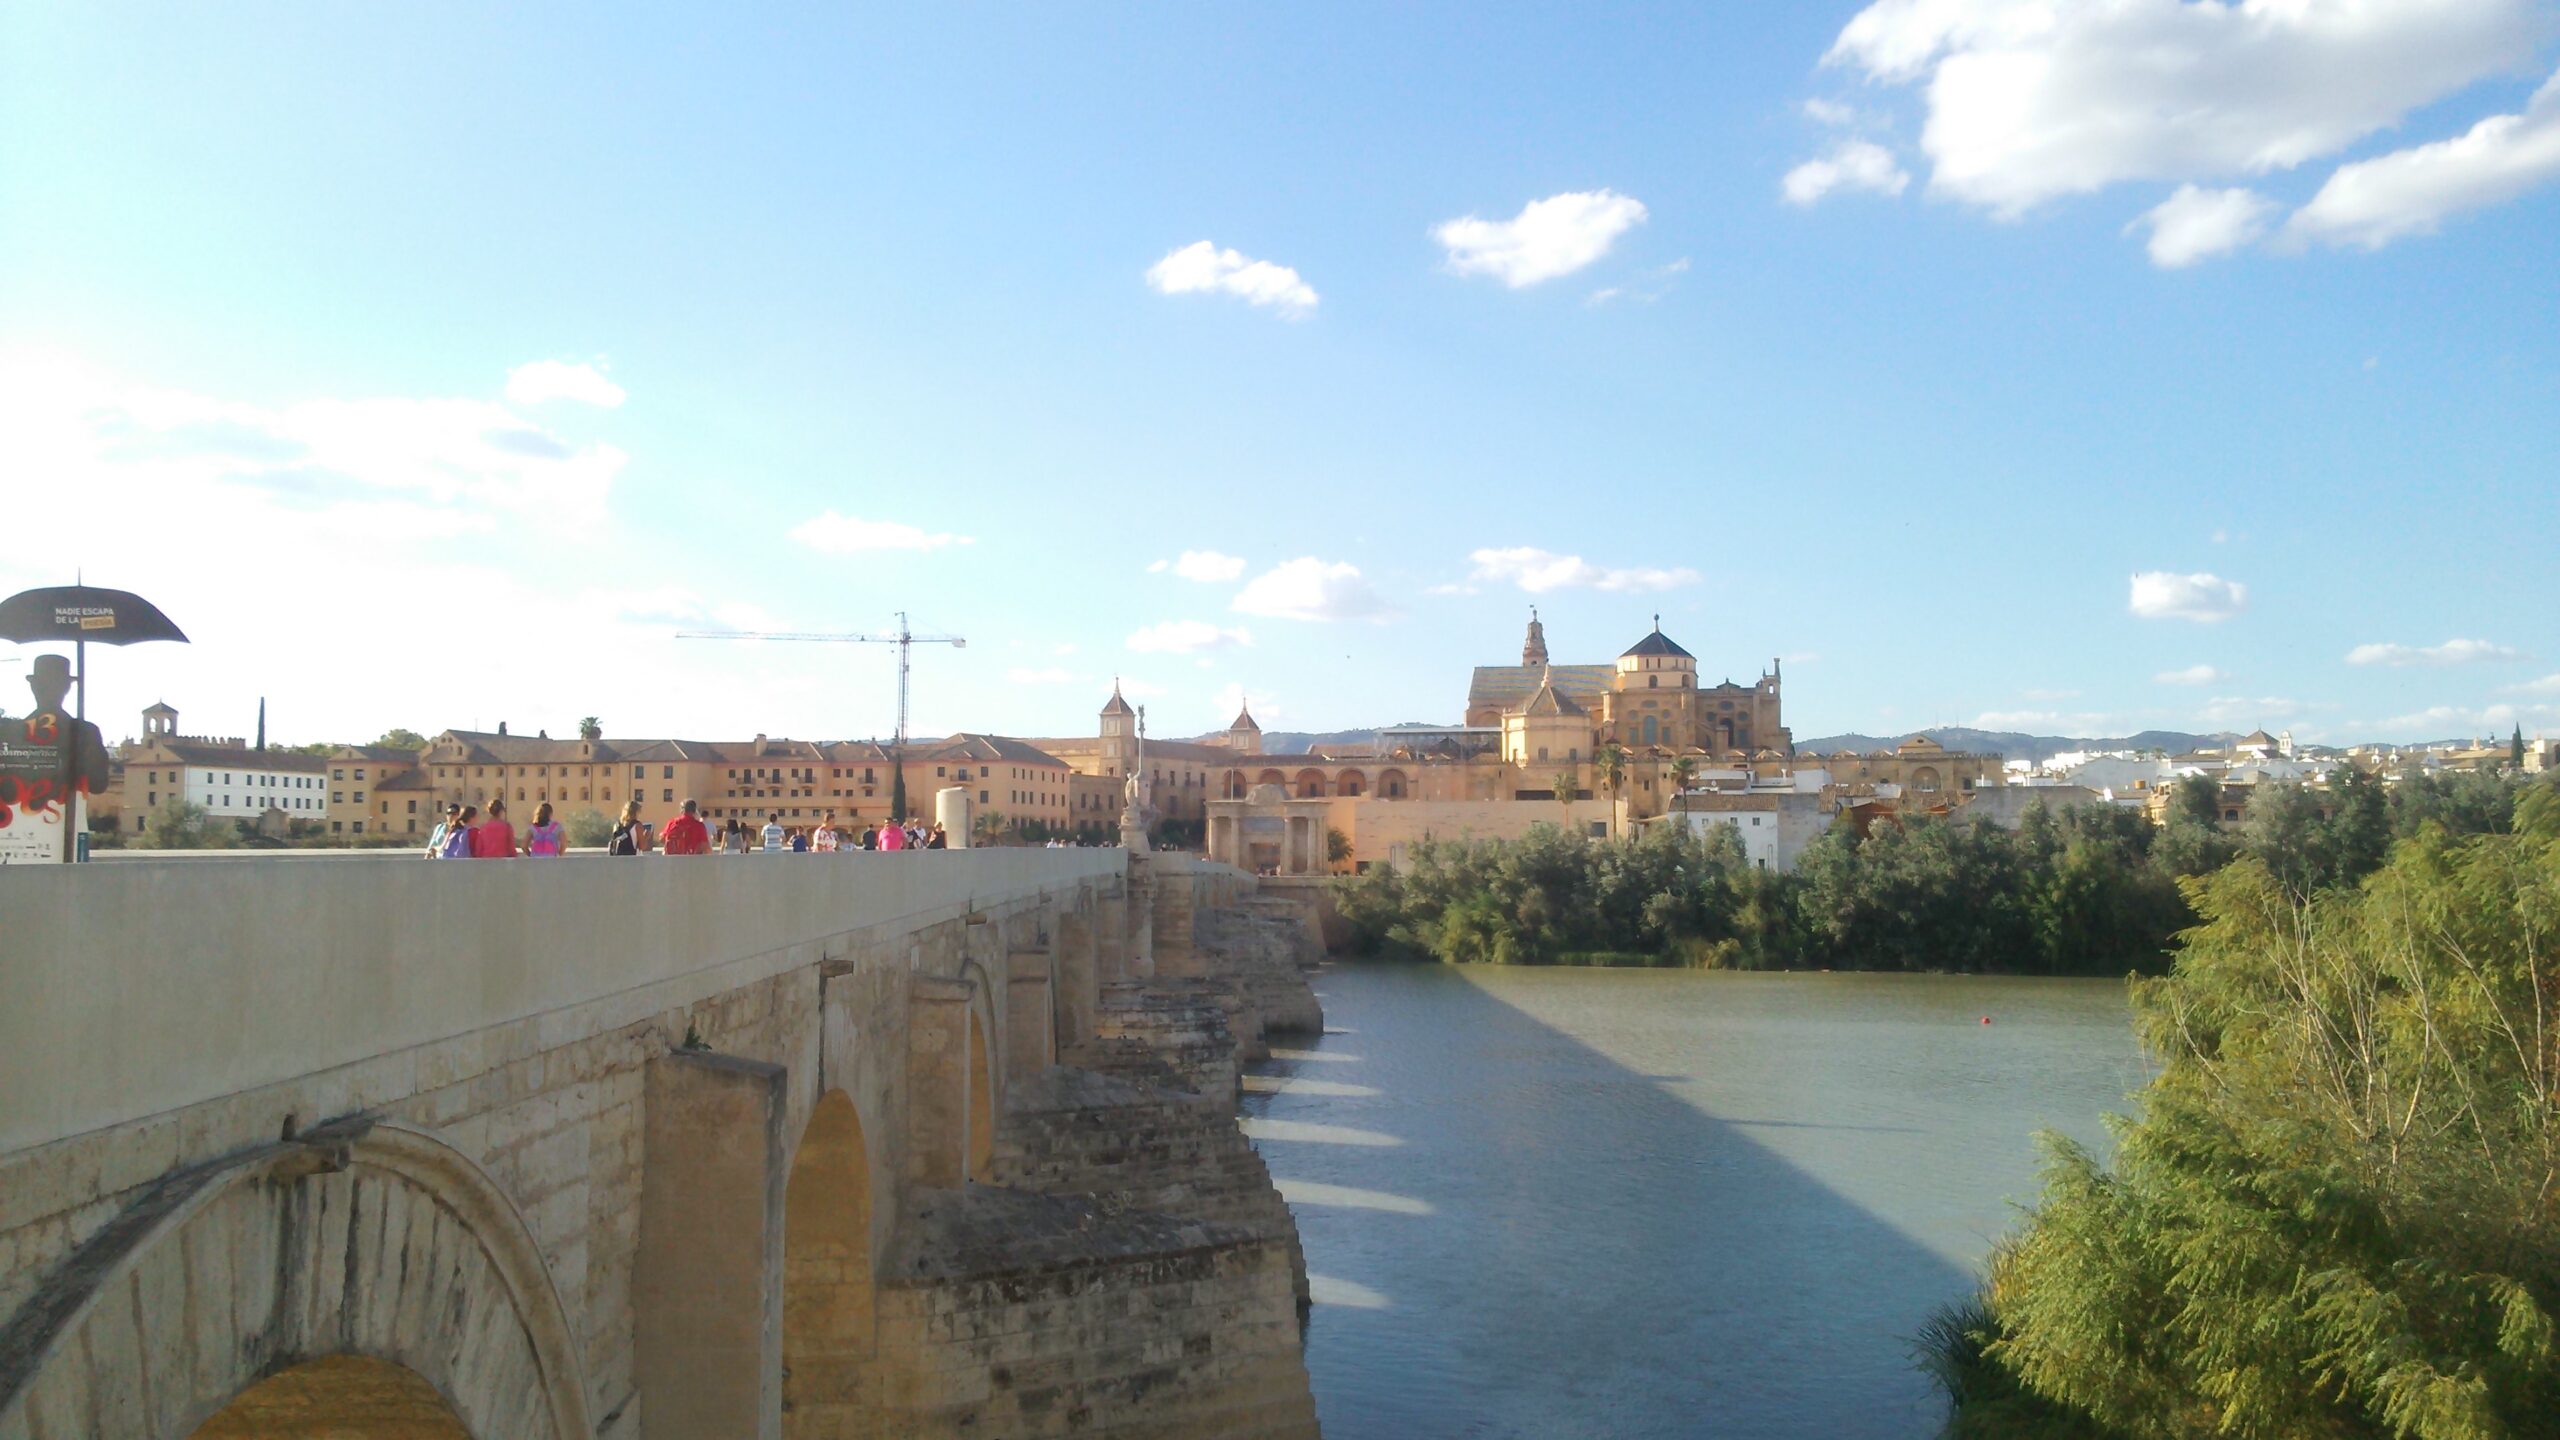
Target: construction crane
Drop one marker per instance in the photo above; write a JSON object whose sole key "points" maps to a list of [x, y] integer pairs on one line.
{"points": [[905, 639]]}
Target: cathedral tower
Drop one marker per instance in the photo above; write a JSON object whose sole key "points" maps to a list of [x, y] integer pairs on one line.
{"points": [[1533, 651]]}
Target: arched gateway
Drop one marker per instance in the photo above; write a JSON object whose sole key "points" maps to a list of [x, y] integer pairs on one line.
{"points": [[366, 1280]]}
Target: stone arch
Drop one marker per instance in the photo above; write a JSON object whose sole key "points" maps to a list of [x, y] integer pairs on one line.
{"points": [[1234, 786], [1272, 777], [1309, 785], [830, 1317], [1350, 783], [1393, 785], [1925, 779], [980, 1156], [337, 1397], [370, 1249]]}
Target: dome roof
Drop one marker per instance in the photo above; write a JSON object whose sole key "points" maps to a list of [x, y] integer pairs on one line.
{"points": [[1657, 644]]}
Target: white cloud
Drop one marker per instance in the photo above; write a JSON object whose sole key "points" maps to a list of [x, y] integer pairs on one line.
{"points": [[2456, 722], [562, 380], [2165, 595], [2196, 224], [1202, 268], [1043, 675], [1208, 566], [1311, 589], [1550, 237], [2451, 652], [2547, 685], [834, 534], [1184, 637], [2371, 203], [1158, 567], [2030, 100], [1832, 113], [1235, 698], [2192, 675], [1539, 571], [2235, 710], [1851, 165]]}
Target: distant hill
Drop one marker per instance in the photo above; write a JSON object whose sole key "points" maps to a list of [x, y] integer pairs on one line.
{"points": [[2016, 745], [1299, 742]]}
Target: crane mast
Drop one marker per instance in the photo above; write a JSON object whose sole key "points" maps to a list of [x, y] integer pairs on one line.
{"points": [[904, 638]]}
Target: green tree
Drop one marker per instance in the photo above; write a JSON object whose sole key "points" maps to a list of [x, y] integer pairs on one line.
{"points": [[398, 739], [588, 829], [591, 728], [988, 826], [2333, 1215], [2286, 833], [1682, 768], [2515, 748], [179, 825], [1566, 782], [1609, 767]]}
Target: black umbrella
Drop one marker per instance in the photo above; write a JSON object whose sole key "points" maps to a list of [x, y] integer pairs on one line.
{"points": [[83, 613], [80, 614]]}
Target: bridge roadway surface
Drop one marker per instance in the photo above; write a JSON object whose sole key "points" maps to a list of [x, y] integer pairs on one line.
{"points": [[912, 1145]]}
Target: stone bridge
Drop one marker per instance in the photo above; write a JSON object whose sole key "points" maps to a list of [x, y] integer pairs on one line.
{"points": [[934, 1144]]}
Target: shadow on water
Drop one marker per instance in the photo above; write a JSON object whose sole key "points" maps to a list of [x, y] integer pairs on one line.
{"points": [[1512, 1234]]}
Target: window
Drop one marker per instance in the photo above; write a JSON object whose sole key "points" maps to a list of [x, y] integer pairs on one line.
{"points": [[359, 772], [669, 772], [337, 774], [669, 796], [336, 796]]}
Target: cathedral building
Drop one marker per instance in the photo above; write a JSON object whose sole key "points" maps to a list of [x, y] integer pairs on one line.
{"points": [[1649, 701]]}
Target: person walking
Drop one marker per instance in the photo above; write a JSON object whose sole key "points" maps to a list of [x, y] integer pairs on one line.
{"points": [[775, 838], [733, 836], [686, 834], [630, 833], [546, 838], [825, 838], [493, 838], [457, 834], [443, 830], [870, 838], [937, 840], [893, 836], [799, 841]]}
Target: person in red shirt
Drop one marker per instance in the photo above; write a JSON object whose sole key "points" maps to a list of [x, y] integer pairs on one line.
{"points": [[494, 838], [685, 834]]}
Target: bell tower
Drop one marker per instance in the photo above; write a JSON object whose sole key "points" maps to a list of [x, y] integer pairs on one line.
{"points": [[1533, 651], [1119, 733]]}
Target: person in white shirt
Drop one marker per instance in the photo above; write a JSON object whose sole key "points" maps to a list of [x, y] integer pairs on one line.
{"points": [[774, 835]]}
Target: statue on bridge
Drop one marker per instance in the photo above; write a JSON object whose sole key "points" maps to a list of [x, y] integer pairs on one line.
{"points": [[1139, 793]]}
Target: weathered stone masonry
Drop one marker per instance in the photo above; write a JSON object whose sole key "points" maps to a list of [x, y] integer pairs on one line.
{"points": [[743, 1147]]}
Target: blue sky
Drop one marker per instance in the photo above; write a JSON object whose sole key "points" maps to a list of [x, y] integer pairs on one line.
{"points": [[433, 366]]}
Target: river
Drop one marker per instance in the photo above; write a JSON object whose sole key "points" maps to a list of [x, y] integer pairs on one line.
{"points": [[1554, 1203]]}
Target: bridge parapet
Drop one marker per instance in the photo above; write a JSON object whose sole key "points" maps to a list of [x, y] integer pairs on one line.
{"points": [[135, 989]]}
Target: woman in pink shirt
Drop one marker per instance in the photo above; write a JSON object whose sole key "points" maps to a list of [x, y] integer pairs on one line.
{"points": [[546, 836], [892, 836], [494, 838]]}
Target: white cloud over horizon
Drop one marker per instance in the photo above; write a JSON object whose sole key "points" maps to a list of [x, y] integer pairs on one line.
{"points": [[829, 533], [2413, 191], [1206, 566], [1851, 166], [541, 380], [1201, 267], [2205, 598], [2191, 675], [1539, 571], [1548, 238], [1187, 637], [2197, 224], [1308, 588], [2451, 652], [2030, 100]]}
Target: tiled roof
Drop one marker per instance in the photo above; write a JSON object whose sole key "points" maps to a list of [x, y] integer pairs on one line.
{"points": [[243, 757], [1657, 644], [1551, 701], [1503, 686]]}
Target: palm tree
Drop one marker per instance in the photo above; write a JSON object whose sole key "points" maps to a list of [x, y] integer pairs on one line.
{"points": [[591, 728], [1565, 783], [1682, 767], [1609, 767]]}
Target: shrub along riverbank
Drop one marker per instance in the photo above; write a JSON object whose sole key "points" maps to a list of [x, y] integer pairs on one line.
{"points": [[2088, 890], [2337, 1211]]}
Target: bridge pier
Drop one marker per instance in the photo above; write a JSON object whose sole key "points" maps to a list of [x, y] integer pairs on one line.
{"points": [[861, 1145]]}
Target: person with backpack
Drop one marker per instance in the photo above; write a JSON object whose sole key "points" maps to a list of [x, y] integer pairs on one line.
{"points": [[546, 838], [686, 834], [630, 833]]}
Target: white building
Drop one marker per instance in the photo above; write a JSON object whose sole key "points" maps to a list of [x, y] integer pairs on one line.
{"points": [[230, 778]]}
